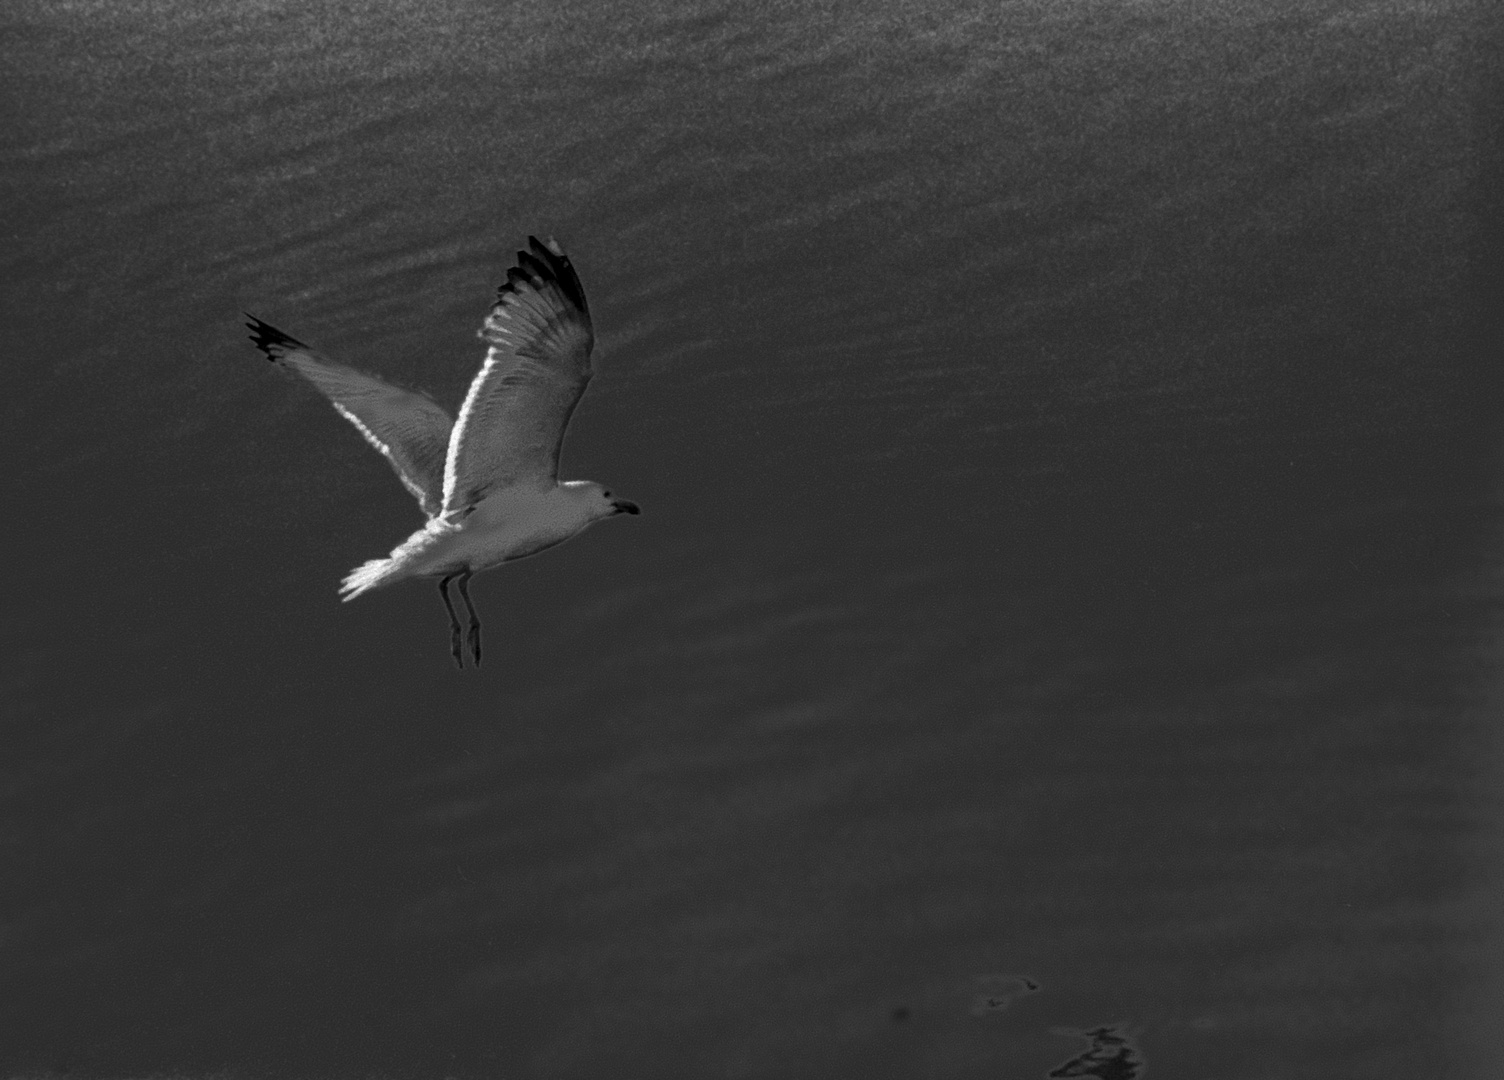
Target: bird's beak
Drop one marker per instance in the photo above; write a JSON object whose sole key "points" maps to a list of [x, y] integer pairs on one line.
{"points": [[623, 507]]}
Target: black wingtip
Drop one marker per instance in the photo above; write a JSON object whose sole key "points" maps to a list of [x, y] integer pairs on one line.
{"points": [[546, 263], [268, 338]]}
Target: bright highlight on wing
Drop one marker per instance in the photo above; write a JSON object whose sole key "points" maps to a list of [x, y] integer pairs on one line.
{"points": [[489, 482], [512, 423], [410, 430]]}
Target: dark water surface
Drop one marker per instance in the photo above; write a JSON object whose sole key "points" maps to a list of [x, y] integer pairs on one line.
{"points": [[1061, 636]]}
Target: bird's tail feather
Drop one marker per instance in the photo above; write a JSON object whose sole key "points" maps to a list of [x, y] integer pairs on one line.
{"points": [[408, 558], [367, 576]]}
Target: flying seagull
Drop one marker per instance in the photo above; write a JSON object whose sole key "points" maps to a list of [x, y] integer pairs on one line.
{"points": [[489, 482]]}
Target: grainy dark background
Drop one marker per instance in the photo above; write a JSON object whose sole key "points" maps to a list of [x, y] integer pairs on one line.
{"points": [[1070, 551]]}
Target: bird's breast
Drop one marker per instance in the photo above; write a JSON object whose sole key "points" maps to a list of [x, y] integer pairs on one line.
{"points": [[512, 525]]}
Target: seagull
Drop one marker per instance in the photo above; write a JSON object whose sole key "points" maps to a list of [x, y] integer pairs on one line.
{"points": [[489, 482]]}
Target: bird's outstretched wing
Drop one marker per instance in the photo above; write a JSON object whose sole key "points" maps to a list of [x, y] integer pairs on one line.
{"points": [[512, 423], [411, 431]]}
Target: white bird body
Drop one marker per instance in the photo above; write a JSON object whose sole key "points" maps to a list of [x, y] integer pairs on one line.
{"points": [[488, 482], [509, 525]]}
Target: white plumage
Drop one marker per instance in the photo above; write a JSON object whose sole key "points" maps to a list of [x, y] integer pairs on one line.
{"points": [[489, 482]]}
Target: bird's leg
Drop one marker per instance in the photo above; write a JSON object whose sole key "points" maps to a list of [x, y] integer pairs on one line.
{"points": [[454, 621], [464, 584]]}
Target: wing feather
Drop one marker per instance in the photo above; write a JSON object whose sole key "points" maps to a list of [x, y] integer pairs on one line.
{"points": [[408, 429], [512, 424]]}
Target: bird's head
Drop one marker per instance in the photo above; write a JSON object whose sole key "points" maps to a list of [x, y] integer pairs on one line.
{"points": [[598, 499]]}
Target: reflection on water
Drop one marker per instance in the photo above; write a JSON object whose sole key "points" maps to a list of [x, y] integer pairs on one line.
{"points": [[997, 992], [1067, 548], [1112, 1055]]}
